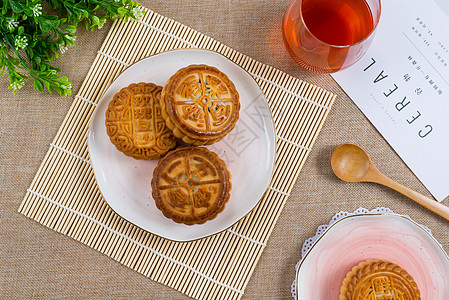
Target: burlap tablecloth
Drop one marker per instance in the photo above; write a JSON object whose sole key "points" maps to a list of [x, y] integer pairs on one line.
{"points": [[36, 262]]}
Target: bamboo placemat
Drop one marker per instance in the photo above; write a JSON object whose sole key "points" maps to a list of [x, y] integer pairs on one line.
{"points": [[64, 195]]}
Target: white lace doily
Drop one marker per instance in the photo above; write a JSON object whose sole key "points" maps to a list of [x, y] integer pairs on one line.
{"points": [[322, 228]]}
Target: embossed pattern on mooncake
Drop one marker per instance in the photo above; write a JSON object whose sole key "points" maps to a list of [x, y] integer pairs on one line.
{"points": [[191, 185], [377, 279], [200, 104], [134, 122]]}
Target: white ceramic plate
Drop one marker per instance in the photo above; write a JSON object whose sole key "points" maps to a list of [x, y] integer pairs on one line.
{"points": [[353, 239], [248, 150]]}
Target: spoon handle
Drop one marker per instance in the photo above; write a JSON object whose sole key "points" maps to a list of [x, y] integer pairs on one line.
{"points": [[428, 203]]}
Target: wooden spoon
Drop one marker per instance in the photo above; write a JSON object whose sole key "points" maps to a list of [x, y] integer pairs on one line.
{"points": [[352, 164]]}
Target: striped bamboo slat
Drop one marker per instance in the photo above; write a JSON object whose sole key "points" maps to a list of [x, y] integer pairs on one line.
{"points": [[64, 195]]}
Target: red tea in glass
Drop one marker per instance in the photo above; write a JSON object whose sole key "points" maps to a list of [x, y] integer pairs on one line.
{"points": [[328, 35]]}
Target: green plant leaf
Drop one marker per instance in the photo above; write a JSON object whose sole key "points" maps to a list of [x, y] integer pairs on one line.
{"points": [[70, 29], [27, 11], [16, 6], [45, 27], [48, 86], [38, 85], [122, 11], [95, 20]]}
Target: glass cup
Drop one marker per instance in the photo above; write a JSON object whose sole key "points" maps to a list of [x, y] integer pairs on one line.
{"points": [[326, 36]]}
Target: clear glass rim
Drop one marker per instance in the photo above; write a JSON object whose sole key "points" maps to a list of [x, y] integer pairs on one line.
{"points": [[376, 20]]}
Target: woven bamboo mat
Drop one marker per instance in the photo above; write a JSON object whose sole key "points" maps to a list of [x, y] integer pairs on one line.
{"points": [[64, 195]]}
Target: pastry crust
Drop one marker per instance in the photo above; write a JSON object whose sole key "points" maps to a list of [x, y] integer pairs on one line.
{"points": [[378, 279], [134, 122], [200, 104], [191, 185]]}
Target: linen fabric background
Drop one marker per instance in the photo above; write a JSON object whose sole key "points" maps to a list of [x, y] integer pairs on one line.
{"points": [[38, 263]]}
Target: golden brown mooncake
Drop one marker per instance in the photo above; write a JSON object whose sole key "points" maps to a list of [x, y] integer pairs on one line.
{"points": [[200, 104], [378, 279], [134, 122], [191, 185]]}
